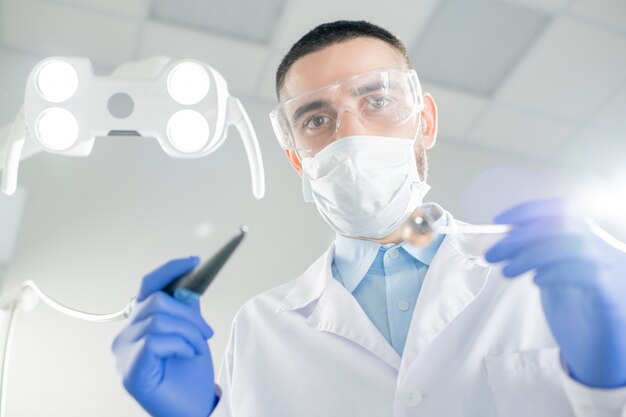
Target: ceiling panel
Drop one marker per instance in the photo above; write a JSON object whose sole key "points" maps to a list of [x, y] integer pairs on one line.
{"points": [[130, 8], [544, 6], [403, 18], [249, 19], [595, 149], [611, 13], [473, 45], [53, 29], [239, 62], [517, 131], [569, 72], [612, 114], [457, 110]]}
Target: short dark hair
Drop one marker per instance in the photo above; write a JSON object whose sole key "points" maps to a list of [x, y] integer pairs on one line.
{"points": [[331, 33]]}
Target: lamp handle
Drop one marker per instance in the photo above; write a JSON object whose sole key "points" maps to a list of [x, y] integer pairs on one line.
{"points": [[238, 117], [12, 153]]}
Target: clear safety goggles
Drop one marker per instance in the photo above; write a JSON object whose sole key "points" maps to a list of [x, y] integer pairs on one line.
{"points": [[382, 100]]}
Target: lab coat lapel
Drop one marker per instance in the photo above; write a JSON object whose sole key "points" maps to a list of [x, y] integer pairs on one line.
{"points": [[335, 310], [338, 312], [454, 280]]}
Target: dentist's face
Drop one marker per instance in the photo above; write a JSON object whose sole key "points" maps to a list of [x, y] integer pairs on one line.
{"points": [[346, 59]]}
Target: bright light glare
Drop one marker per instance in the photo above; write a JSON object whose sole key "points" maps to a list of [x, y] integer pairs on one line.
{"points": [[188, 131], [57, 81], [57, 129], [597, 200], [188, 83], [606, 200]]}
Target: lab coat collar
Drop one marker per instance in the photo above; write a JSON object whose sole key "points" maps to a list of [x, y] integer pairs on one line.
{"points": [[454, 279], [333, 309], [309, 286], [354, 257]]}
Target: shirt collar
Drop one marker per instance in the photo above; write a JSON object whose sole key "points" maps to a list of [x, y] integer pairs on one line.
{"points": [[353, 258]]}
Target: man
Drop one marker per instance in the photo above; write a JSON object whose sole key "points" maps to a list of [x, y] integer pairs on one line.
{"points": [[379, 326]]}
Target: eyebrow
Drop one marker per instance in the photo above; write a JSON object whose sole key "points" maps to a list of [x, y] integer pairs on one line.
{"points": [[375, 86], [314, 105]]}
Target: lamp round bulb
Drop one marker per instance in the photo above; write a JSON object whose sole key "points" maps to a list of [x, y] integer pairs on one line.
{"points": [[188, 131], [57, 129], [57, 81], [188, 83]]}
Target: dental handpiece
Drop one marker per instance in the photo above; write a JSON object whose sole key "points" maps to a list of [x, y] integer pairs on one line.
{"points": [[193, 284], [420, 228]]}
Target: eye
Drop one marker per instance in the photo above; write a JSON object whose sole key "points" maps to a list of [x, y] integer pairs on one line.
{"points": [[316, 122], [378, 102]]}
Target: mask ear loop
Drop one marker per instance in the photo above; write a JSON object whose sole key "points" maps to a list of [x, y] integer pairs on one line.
{"points": [[421, 124], [419, 135]]}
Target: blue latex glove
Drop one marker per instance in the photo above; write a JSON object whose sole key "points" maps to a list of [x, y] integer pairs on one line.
{"points": [[581, 272], [163, 353]]}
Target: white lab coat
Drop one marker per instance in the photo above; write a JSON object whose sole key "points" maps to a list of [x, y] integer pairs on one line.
{"points": [[478, 346]]}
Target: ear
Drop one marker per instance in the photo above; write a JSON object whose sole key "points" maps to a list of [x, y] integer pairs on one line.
{"points": [[429, 121], [295, 160]]}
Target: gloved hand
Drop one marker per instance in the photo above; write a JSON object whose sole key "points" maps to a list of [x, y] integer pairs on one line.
{"points": [[581, 273], [163, 353]]}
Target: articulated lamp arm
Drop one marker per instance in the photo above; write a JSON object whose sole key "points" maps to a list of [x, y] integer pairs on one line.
{"points": [[12, 153]]}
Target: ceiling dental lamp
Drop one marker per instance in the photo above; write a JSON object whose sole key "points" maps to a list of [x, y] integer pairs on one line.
{"points": [[184, 104]]}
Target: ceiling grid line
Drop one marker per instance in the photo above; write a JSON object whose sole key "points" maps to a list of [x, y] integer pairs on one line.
{"points": [[546, 158], [245, 20], [594, 23], [489, 39], [90, 9], [524, 111], [597, 111], [525, 52], [530, 111]]}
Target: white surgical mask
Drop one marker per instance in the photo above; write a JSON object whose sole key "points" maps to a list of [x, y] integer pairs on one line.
{"points": [[364, 186]]}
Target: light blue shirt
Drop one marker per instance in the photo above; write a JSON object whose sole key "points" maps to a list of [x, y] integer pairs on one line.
{"points": [[386, 279]]}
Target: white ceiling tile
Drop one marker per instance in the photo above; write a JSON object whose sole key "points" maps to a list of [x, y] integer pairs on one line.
{"points": [[611, 13], [518, 131], [238, 61], [53, 29], [594, 148], [473, 45], [248, 19], [571, 69], [612, 114], [457, 110], [545, 6], [130, 8], [405, 19]]}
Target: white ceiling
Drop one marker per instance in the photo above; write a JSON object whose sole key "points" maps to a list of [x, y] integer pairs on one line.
{"points": [[556, 67]]}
